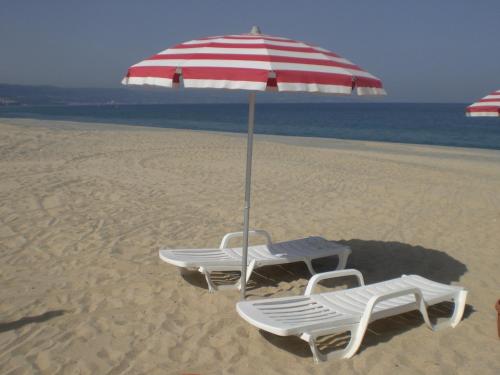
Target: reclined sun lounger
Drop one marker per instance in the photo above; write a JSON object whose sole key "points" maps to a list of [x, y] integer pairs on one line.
{"points": [[229, 259], [313, 315]]}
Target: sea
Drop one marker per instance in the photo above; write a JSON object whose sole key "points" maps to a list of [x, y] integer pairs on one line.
{"points": [[416, 123]]}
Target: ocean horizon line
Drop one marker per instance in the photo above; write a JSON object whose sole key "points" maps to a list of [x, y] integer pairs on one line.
{"points": [[236, 103], [443, 124]]}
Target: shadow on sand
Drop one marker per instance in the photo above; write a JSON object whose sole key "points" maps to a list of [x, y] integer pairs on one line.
{"points": [[8, 326], [377, 261]]}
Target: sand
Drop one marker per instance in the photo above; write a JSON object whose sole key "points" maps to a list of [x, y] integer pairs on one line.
{"points": [[84, 209]]}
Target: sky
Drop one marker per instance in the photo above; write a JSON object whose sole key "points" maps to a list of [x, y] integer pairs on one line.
{"points": [[424, 51]]}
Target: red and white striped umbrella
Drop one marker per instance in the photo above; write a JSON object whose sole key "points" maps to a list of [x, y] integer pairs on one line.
{"points": [[487, 106], [254, 62]]}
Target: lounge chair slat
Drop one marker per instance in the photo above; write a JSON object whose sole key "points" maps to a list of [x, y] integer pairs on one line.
{"points": [[291, 306], [305, 319], [286, 312], [300, 310], [279, 301]]}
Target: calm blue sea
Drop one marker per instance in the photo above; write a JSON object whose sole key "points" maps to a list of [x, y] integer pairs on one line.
{"points": [[431, 124]]}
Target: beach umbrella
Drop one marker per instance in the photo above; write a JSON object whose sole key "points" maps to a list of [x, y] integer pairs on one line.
{"points": [[254, 62], [487, 106]]}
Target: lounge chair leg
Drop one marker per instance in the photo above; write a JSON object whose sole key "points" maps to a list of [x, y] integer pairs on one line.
{"points": [[250, 269], [309, 266], [317, 355], [211, 286], [351, 348], [340, 265], [342, 261], [458, 312]]}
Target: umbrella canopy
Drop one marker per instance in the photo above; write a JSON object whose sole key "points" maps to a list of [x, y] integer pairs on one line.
{"points": [[254, 62], [487, 106]]}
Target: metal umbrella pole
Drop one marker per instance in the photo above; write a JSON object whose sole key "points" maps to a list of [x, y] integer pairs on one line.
{"points": [[248, 181]]}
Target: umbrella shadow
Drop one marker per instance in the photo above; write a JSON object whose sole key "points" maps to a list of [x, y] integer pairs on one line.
{"points": [[381, 260], [16, 324]]}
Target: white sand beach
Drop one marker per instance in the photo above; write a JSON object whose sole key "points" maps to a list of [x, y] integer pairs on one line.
{"points": [[84, 209]]}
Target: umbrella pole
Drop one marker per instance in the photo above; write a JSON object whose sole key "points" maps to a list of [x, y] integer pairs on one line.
{"points": [[248, 180]]}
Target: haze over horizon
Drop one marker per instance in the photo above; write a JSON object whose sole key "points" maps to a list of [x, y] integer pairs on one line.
{"points": [[424, 52]]}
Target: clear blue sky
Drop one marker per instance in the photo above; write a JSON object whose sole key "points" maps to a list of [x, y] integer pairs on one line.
{"points": [[426, 50]]}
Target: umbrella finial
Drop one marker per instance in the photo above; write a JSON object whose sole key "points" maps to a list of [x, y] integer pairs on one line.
{"points": [[255, 30]]}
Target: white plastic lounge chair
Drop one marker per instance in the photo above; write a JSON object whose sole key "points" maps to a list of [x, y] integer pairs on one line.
{"points": [[313, 315], [229, 259]]}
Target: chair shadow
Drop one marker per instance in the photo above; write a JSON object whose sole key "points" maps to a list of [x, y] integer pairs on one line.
{"points": [[8, 326]]}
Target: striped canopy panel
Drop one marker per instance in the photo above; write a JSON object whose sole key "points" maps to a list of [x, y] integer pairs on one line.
{"points": [[487, 106], [253, 62]]}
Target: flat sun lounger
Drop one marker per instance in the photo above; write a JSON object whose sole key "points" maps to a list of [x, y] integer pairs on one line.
{"points": [[313, 315], [225, 258]]}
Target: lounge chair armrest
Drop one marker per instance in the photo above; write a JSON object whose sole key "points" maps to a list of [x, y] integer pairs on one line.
{"points": [[257, 232], [365, 319], [390, 295], [331, 275], [359, 333]]}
